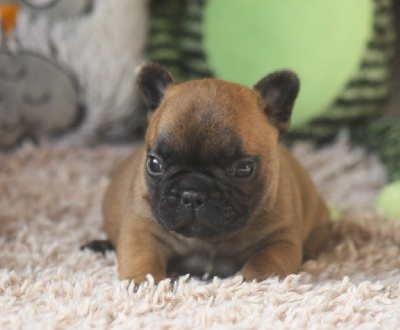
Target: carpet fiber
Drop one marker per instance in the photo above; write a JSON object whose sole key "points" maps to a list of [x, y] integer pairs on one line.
{"points": [[50, 204]]}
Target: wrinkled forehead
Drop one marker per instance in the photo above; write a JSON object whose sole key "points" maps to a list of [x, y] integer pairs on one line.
{"points": [[199, 146], [200, 121], [211, 119], [198, 137]]}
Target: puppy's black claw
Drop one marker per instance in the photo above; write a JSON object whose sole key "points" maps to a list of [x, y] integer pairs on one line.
{"points": [[101, 246]]}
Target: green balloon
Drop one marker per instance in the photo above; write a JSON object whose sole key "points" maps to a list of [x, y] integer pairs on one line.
{"points": [[388, 201], [322, 40]]}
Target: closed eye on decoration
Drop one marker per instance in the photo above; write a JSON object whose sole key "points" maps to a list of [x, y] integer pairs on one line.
{"points": [[14, 76], [41, 4], [37, 100]]}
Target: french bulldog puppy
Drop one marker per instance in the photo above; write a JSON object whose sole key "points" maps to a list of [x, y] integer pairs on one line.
{"points": [[211, 189]]}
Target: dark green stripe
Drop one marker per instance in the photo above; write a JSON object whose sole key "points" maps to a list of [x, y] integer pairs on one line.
{"points": [[162, 45], [379, 45], [374, 64], [191, 35], [367, 83], [360, 101], [197, 73], [190, 18], [193, 54]]}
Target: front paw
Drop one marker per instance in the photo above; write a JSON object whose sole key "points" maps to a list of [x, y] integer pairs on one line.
{"points": [[140, 277], [259, 274], [250, 275]]}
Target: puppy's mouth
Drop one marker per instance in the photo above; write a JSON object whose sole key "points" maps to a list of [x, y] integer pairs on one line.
{"points": [[193, 225], [188, 225], [194, 228]]}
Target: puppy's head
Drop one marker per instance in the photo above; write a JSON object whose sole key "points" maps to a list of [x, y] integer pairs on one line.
{"points": [[211, 148]]}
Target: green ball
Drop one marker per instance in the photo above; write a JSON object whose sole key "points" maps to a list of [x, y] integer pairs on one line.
{"points": [[388, 201], [323, 41]]}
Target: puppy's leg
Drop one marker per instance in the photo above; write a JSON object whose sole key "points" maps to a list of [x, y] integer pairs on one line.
{"points": [[140, 252], [277, 259]]}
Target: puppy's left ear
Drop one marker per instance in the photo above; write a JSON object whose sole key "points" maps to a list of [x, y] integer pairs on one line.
{"points": [[277, 93], [153, 81]]}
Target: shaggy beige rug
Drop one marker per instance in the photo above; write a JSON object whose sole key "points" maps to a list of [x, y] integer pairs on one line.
{"points": [[50, 205]]}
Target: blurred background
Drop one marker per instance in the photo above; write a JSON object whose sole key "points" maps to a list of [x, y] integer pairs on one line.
{"points": [[67, 67]]}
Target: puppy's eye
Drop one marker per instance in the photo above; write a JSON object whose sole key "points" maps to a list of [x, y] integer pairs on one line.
{"points": [[154, 165], [243, 169]]}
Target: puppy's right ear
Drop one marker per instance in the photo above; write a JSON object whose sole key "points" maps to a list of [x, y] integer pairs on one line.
{"points": [[153, 81], [277, 93]]}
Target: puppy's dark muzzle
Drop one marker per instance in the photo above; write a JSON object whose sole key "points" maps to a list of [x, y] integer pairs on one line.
{"points": [[195, 205]]}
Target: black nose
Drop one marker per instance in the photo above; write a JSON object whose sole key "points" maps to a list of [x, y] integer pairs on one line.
{"points": [[193, 199]]}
